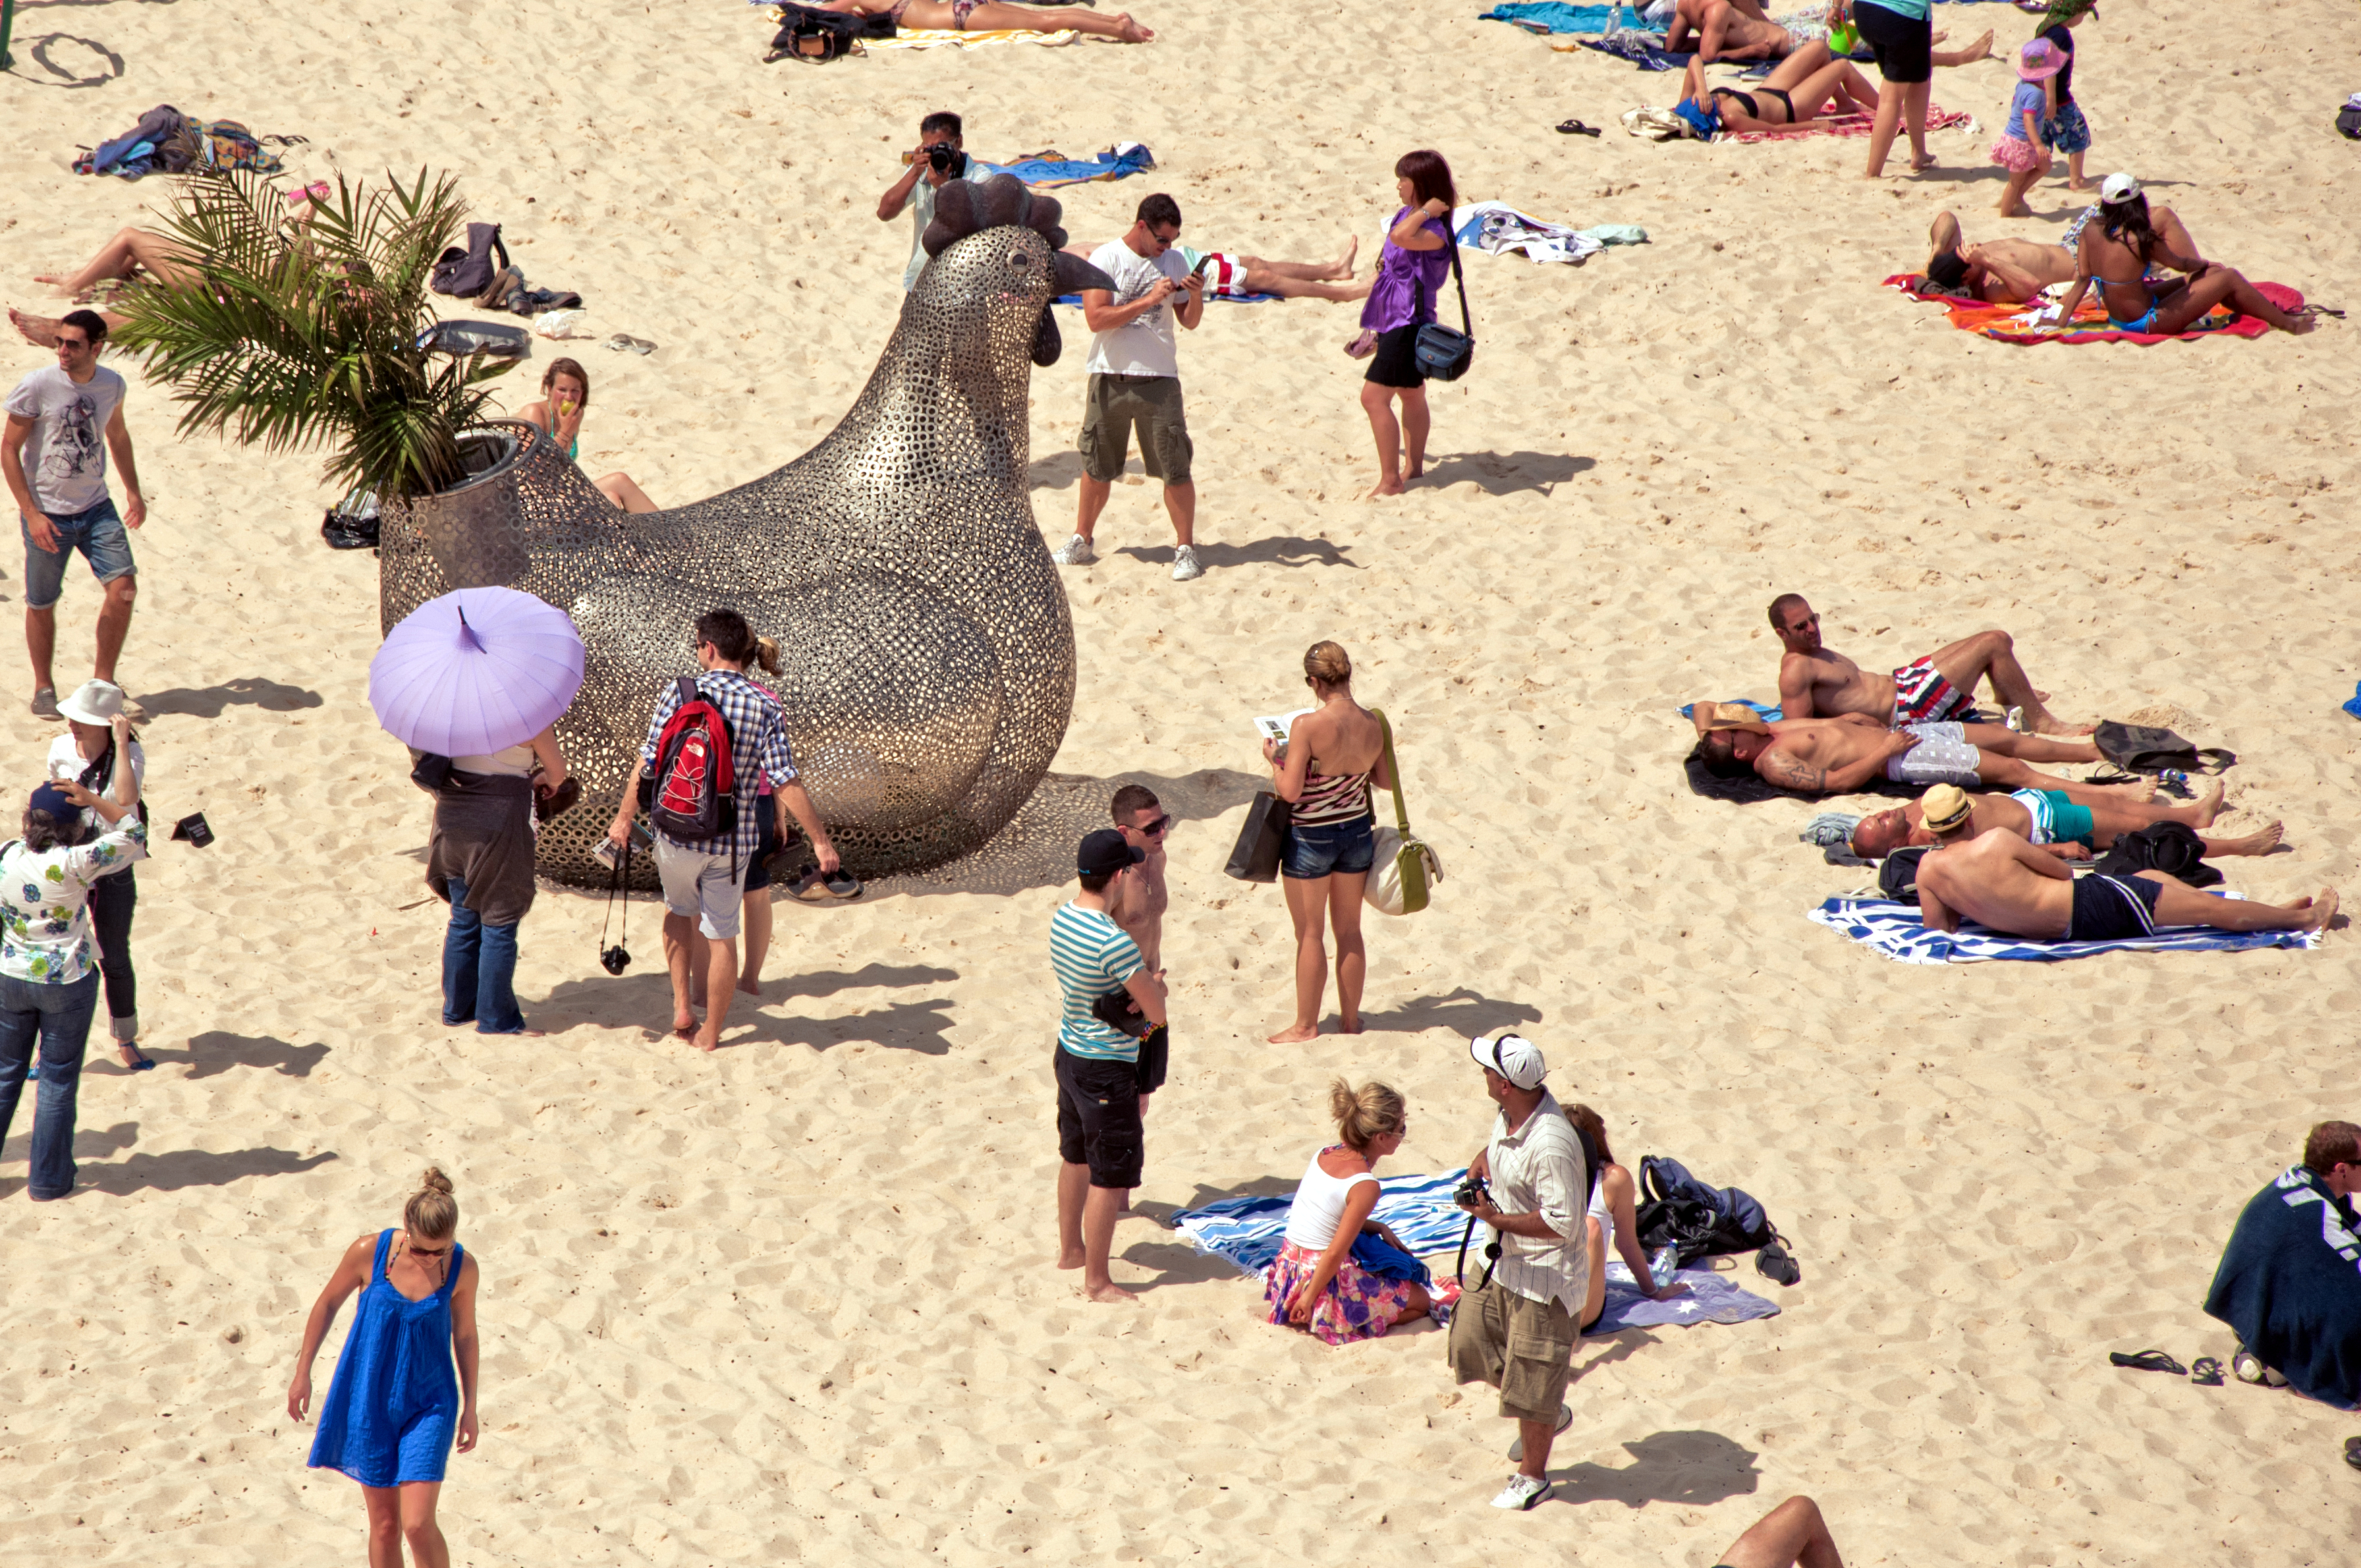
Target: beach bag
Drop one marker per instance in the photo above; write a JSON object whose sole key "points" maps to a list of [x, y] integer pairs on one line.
{"points": [[694, 794], [1262, 841], [1695, 1220], [1403, 874], [818, 36], [469, 272], [1898, 874], [2145, 749], [1443, 354], [2172, 847], [2348, 119], [460, 338], [352, 523]]}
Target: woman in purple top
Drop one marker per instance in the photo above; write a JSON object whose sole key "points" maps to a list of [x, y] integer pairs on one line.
{"points": [[1412, 271]]}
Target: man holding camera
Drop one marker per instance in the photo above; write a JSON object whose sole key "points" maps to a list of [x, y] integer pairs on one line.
{"points": [[1103, 1083], [1517, 1330], [935, 163]]}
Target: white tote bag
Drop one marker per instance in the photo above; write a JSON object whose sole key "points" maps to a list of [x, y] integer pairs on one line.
{"points": [[1403, 874]]}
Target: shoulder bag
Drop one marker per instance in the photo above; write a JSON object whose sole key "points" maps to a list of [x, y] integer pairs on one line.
{"points": [[1442, 354], [1403, 876], [1263, 839]]}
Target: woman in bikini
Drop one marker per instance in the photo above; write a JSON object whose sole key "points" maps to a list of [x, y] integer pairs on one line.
{"points": [[992, 16], [1334, 753], [1790, 99], [564, 393], [2126, 242]]}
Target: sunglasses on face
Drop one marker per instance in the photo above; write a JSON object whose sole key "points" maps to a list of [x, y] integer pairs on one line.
{"points": [[73, 344], [1151, 829]]}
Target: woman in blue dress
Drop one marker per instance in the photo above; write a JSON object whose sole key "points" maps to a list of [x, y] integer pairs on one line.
{"points": [[394, 1406]]}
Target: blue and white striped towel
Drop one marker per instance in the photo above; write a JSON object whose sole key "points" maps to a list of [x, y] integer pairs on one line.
{"points": [[1894, 931], [1249, 1231]]}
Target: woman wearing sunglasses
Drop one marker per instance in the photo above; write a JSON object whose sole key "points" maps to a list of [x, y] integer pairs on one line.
{"points": [[394, 1406]]}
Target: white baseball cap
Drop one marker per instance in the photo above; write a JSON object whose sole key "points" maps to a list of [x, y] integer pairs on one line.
{"points": [[1513, 1056], [2118, 188]]}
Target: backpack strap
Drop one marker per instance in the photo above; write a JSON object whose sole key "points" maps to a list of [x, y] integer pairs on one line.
{"points": [[1393, 771]]}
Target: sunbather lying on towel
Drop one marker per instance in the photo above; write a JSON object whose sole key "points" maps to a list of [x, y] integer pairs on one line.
{"points": [[1799, 89], [993, 17], [1829, 756], [1815, 680], [134, 254], [2013, 272], [1737, 29], [1233, 275], [2126, 242], [2004, 883], [2054, 822]]}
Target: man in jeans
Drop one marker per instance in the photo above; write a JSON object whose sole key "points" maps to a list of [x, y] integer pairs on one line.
{"points": [[916, 190], [1517, 1331], [61, 424], [705, 880], [1135, 380], [1100, 1096]]}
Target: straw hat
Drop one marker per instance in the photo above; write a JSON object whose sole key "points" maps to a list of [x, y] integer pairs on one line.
{"points": [[1948, 808]]}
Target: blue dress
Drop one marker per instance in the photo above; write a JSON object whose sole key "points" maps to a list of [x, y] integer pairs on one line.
{"points": [[393, 1407]]}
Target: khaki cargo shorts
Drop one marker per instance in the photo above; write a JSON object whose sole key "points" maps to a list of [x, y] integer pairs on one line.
{"points": [[1112, 405], [1521, 1346]]}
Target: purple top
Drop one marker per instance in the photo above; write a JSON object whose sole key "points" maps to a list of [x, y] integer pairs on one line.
{"points": [[1407, 281]]}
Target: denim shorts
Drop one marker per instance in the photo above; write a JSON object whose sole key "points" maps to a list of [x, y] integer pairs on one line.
{"points": [[98, 533], [1315, 852]]}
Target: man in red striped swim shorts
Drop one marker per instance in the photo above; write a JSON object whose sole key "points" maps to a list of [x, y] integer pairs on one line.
{"points": [[1817, 682]]}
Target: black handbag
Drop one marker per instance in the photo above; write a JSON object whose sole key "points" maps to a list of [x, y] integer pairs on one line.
{"points": [[817, 36], [2145, 749], [431, 772], [1263, 839], [1444, 353]]}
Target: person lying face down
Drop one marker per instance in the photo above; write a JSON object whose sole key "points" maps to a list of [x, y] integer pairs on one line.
{"points": [[1792, 97], [2002, 882], [1829, 756], [2073, 826]]}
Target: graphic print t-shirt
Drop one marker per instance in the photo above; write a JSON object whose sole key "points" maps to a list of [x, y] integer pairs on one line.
{"points": [[1144, 347], [65, 455]]}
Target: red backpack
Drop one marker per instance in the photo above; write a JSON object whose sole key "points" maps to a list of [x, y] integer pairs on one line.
{"points": [[692, 792]]}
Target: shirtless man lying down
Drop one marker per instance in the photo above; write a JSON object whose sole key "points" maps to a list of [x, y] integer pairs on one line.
{"points": [[2070, 830], [2000, 882], [1815, 680], [1829, 756], [2013, 272]]}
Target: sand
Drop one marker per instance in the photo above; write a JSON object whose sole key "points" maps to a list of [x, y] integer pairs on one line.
{"points": [[795, 1299]]}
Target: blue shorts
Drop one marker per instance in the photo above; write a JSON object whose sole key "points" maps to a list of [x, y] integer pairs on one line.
{"points": [[2070, 132], [1315, 852], [98, 533]]}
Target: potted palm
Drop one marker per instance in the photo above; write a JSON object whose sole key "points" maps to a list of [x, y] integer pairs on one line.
{"points": [[315, 329]]}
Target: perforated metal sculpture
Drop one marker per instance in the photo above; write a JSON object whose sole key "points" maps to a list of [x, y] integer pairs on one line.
{"points": [[929, 659]]}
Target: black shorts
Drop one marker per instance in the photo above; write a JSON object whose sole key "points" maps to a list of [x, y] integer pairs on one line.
{"points": [[1904, 46], [1098, 1118], [2112, 909], [758, 870], [1395, 364]]}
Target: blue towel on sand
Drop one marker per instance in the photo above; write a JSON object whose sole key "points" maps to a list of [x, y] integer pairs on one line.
{"points": [[1711, 1299], [1048, 171], [1766, 713], [2354, 707], [1249, 1231], [1558, 16], [2289, 1285], [1894, 931]]}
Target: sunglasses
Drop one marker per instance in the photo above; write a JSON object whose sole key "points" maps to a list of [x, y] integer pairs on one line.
{"points": [[72, 344], [1155, 828]]}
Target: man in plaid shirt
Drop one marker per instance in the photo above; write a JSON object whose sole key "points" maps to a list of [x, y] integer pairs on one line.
{"points": [[705, 880]]}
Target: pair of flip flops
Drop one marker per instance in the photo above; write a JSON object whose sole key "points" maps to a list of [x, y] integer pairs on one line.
{"points": [[1576, 128], [2207, 1373], [813, 887], [622, 341]]}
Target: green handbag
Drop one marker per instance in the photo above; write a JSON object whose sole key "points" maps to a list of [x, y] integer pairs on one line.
{"points": [[1403, 874]]}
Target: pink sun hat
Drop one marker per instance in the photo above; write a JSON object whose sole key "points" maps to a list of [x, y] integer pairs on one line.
{"points": [[2039, 61]]}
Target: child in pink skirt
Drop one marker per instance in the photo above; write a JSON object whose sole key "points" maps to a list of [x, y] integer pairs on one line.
{"points": [[2020, 150]]}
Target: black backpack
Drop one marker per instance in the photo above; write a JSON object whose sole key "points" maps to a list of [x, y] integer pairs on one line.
{"points": [[1682, 1212], [467, 273], [818, 36], [1898, 874], [2145, 749], [2348, 119]]}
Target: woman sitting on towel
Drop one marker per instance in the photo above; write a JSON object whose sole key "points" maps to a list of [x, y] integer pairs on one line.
{"points": [[564, 393], [1790, 99], [1316, 1284], [1614, 1224], [993, 17]]}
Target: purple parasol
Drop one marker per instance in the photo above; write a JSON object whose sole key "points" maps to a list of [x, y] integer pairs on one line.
{"points": [[476, 671]]}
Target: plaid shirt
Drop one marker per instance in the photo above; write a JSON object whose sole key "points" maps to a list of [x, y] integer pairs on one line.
{"points": [[757, 751]]}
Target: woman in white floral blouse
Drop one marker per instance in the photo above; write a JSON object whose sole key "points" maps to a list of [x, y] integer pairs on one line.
{"points": [[48, 969]]}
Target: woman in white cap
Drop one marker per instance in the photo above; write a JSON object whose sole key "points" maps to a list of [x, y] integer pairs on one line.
{"points": [[87, 753], [2126, 242]]}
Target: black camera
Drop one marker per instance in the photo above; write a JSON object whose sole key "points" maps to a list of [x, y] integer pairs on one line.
{"points": [[614, 961], [945, 159], [1472, 1189]]}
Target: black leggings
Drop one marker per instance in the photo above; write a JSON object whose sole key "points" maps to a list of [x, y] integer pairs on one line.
{"points": [[112, 901]]}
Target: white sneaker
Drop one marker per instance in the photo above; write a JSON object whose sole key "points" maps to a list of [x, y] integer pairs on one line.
{"points": [[1522, 1491], [1077, 552], [1185, 564]]}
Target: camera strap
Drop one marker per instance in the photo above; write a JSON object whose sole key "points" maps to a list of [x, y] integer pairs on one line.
{"points": [[1491, 1252], [622, 884]]}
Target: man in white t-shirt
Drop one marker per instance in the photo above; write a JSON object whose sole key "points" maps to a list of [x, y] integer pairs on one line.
{"points": [[929, 172], [61, 424], [1134, 379]]}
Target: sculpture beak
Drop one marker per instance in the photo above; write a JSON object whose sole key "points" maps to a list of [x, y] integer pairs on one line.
{"points": [[1074, 275]]}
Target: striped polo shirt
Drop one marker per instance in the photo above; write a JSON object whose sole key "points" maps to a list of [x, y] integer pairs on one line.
{"points": [[1093, 957]]}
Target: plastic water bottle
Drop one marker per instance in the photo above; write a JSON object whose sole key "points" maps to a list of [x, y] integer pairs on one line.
{"points": [[1615, 24], [2172, 781], [1665, 1265]]}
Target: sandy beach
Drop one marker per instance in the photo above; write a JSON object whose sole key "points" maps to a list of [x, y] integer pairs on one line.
{"points": [[796, 1299]]}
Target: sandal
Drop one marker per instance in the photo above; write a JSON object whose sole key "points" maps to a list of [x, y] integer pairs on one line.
{"points": [[1360, 347], [138, 1060], [1774, 1262], [2353, 1451], [2149, 1361], [1576, 128], [2206, 1372]]}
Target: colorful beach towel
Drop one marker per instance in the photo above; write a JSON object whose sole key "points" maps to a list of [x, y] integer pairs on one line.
{"points": [[1052, 169], [952, 38], [1711, 1299], [2016, 323], [1894, 931], [1248, 1231], [1938, 119]]}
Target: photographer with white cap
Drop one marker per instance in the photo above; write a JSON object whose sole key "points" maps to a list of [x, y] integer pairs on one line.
{"points": [[1517, 1330], [87, 753]]}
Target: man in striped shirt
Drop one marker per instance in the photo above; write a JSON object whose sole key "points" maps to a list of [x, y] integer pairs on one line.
{"points": [[1100, 1093]]}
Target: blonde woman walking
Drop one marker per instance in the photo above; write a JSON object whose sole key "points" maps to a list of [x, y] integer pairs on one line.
{"points": [[394, 1406], [1334, 753], [1314, 1284]]}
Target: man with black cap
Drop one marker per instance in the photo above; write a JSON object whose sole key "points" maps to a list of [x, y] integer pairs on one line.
{"points": [[1516, 1331], [1101, 1088]]}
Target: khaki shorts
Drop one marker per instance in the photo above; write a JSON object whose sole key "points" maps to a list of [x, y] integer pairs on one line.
{"points": [[1521, 1346], [1115, 403]]}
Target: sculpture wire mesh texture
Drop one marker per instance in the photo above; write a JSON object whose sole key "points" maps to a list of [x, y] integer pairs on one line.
{"points": [[928, 651]]}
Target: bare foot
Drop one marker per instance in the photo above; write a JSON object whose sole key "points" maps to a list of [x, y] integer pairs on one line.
{"points": [[684, 1026], [2303, 321], [40, 330], [1342, 271], [2019, 211], [2046, 723], [1070, 1259], [1349, 1026], [1131, 32], [1385, 487], [1295, 1035], [751, 985], [2261, 843], [1980, 50], [2208, 806], [133, 1056], [707, 1039], [2141, 789], [2080, 185], [1921, 160], [1112, 1293], [2324, 910]]}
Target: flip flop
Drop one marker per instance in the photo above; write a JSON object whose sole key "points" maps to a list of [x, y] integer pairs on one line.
{"points": [[145, 1064], [2353, 1451], [812, 888], [2206, 1372], [1774, 1262], [2149, 1361], [1576, 128]]}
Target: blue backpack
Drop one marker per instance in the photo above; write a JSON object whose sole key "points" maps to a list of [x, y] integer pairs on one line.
{"points": [[1678, 1210]]}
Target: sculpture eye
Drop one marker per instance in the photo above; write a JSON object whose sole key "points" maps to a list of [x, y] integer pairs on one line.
{"points": [[1019, 260]]}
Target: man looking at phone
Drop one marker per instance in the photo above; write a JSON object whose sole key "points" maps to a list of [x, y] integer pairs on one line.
{"points": [[935, 163], [1135, 380]]}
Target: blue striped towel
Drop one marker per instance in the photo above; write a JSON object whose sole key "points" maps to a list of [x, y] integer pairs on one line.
{"points": [[1894, 931], [1249, 1231]]}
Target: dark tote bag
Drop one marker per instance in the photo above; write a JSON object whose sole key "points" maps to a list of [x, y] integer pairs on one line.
{"points": [[1442, 354], [1262, 841]]}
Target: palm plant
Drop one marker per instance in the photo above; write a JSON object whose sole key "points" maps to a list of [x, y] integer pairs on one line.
{"points": [[296, 337]]}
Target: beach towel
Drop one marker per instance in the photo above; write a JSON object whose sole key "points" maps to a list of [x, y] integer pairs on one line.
{"points": [[1894, 931], [1052, 169], [1557, 16], [1249, 1232], [2289, 1286], [1497, 228], [953, 38], [2022, 324], [1711, 1299], [1938, 119], [2352, 704]]}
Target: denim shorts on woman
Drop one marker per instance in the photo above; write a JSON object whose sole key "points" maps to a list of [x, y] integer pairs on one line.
{"points": [[1313, 852]]}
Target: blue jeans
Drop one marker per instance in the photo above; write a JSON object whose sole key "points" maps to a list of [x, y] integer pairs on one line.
{"points": [[58, 1017], [98, 533], [480, 971]]}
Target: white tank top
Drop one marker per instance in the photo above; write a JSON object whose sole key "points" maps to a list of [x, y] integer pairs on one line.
{"points": [[1604, 1216], [1320, 1204]]}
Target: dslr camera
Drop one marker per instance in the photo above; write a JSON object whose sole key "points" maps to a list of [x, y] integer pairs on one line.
{"points": [[945, 159], [1472, 1189]]}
